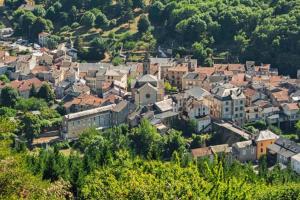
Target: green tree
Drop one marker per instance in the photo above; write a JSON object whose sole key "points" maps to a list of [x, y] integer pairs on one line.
{"points": [[39, 11], [52, 42], [4, 78], [41, 25], [30, 104], [46, 93], [173, 142], [198, 141], [32, 92], [143, 24], [7, 125], [191, 126], [138, 4], [13, 4], [199, 51], [101, 20], [30, 126], [297, 126], [117, 61], [7, 112], [97, 48], [155, 12], [9, 97], [88, 19], [146, 141], [27, 22]]}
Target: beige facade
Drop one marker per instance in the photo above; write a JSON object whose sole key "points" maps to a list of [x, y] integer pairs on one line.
{"points": [[147, 90], [175, 74], [145, 95], [100, 118], [228, 103], [45, 59], [95, 78], [192, 79]]}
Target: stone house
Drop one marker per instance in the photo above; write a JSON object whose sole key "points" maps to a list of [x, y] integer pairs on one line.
{"points": [[43, 38], [228, 103], [295, 163], [24, 86], [74, 124], [291, 111], [175, 74], [281, 151], [244, 151], [147, 90]]}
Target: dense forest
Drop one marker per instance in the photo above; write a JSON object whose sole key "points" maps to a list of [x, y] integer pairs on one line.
{"points": [[138, 163], [266, 31]]}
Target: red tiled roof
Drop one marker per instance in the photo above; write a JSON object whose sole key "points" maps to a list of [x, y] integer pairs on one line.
{"points": [[292, 106], [9, 59], [82, 74], [178, 68], [238, 80], [281, 95], [205, 70], [248, 92], [26, 84], [111, 98], [39, 69], [85, 99], [106, 85]]}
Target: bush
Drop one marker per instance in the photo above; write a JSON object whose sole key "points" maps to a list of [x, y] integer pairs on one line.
{"points": [[65, 29], [117, 61], [75, 25], [30, 104], [62, 145]]}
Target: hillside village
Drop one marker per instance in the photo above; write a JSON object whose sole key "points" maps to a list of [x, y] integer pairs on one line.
{"points": [[168, 92]]}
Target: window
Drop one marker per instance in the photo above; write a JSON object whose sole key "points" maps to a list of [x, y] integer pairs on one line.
{"points": [[241, 108], [227, 103], [262, 144], [241, 114], [261, 150], [236, 108], [236, 115], [148, 96], [241, 101], [226, 109]]}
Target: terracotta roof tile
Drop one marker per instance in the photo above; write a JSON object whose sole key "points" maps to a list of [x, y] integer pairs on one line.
{"points": [[85, 100], [281, 95], [26, 84], [9, 59], [205, 70], [249, 92], [178, 68], [238, 80], [39, 69], [292, 106]]}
